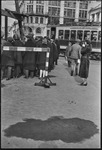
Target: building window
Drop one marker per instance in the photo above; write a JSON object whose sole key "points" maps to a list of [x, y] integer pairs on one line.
{"points": [[97, 17], [79, 34], [73, 34], [54, 3], [69, 12], [38, 30], [68, 20], [83, 5], [30, 1], [93, 35], [36, 19], [27, 19], [41, 20], [29, 8], [53, 20], [87, 35], [54, 11], [61, 34], [39, 9], [99, 36], [39, 2], [82, 14], [31, 19], [67, 33], [70, 4], [93, 17]]}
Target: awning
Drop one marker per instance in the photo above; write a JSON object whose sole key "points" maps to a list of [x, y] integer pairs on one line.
{"points": [[12, 14]]}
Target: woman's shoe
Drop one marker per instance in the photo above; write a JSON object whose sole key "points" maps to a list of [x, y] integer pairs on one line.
{"points": [[71, 72], [85, 84]]}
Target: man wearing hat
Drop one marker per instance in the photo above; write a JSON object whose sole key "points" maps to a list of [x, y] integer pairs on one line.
{"points": [[75, 56], [29, 59]]}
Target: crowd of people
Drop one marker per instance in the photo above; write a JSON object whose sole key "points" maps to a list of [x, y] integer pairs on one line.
{"points": [[77, 56], [27, 63]]}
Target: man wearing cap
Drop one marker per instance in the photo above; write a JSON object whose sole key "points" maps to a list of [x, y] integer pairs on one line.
{"points": [[75, 56], [29, 59]]}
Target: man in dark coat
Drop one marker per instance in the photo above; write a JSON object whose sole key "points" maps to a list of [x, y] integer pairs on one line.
{"points": [[55, 51], [58, 47], [29, 59], [2, 44], [51, 57], [18, 56], [8, 58]]}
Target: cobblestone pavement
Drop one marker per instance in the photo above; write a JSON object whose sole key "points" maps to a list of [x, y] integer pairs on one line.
{"points": [[20, 99]]}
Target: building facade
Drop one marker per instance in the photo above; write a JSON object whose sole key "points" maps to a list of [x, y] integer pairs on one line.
{"points": [[59, 12], [95, 13]]}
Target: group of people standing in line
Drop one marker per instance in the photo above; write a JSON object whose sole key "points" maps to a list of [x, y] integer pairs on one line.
{"points": [[77, 56], [28, 63]]}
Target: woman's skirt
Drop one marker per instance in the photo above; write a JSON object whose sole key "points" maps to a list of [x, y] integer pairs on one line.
{"points": [[84, 67]]}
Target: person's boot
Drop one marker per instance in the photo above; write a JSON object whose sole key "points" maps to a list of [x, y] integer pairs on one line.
{"points": [[71, 73], [18, 71], [32, 74], [26, 73], [2, 73], [9, 69]]}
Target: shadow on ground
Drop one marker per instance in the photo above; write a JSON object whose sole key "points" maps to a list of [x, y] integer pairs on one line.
{"points": [[69, 130], [52, 76]]}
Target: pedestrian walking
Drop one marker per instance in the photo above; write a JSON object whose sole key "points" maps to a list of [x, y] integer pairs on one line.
{"points": [[58, 47], [55, 51], [51, 56], [75, 57], [85, 61], [29, 58], [68, 53]]}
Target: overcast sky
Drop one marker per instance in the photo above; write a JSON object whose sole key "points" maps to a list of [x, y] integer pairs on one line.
{"points": [[9, 4]]}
